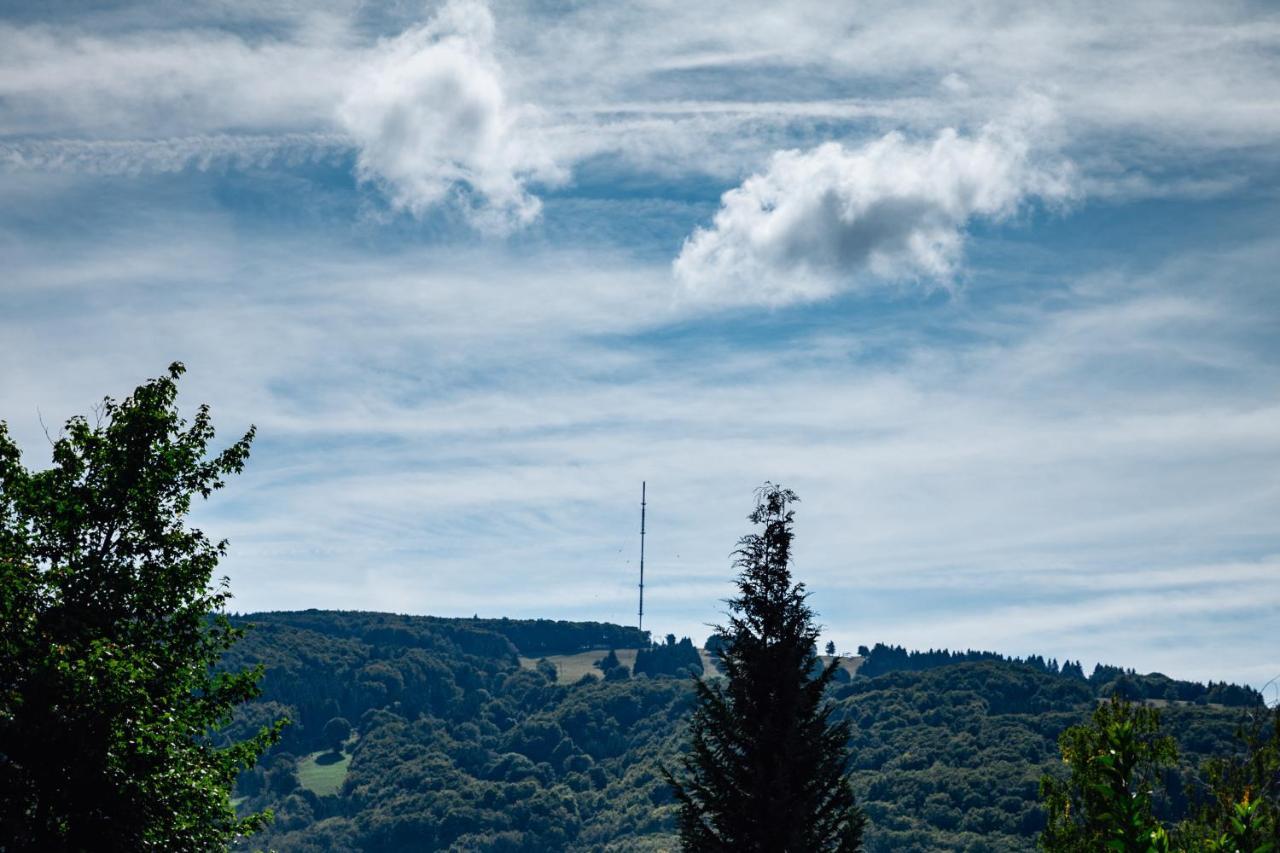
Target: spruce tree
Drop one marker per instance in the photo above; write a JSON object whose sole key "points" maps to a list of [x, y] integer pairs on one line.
{"points": [[767, 768]]}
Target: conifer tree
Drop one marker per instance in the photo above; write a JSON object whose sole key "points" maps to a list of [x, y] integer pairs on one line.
{"points": [[767, 769]]}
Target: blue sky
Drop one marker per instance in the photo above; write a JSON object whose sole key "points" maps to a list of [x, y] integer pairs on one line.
{"points": [[993, 288]]}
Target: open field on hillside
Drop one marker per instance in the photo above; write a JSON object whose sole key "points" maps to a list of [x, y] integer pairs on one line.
{"points": [[322, 772], [570, 668]]}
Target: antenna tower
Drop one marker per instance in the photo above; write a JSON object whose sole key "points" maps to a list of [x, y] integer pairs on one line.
{"points": [[642, 506]]}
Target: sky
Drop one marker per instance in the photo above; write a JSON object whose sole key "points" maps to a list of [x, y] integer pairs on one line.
{"points": [[992, 286]]}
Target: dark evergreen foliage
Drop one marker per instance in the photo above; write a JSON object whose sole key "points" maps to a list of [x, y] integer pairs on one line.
{"points": [[539, 637], [613, 669], [109, 630], [880, 659], [767, 767], [1073, 670], [715, 647], [533, 638], [1106, 680], [669, 659]]}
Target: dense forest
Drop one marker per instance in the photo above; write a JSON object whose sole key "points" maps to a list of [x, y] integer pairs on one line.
{"points": [[445, 741]]}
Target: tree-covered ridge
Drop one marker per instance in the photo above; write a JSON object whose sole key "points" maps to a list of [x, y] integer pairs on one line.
{"points": [[529, 637], [458, 748], [454, 748], [1105, 679]]}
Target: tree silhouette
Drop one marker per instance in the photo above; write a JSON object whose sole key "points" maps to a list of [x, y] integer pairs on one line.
{"points": [[766, 768]]}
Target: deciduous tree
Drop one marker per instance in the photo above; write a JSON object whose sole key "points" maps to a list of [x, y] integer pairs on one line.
{"points": [[1241, 810], [336, 732], [1105, 803], [110, 633]]}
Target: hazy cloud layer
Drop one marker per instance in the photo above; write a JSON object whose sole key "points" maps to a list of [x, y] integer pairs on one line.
{"points": [[436, 429], [892, 210], [61, 81]]}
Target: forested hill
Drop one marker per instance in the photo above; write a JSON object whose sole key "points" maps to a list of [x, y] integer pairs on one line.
{"points": [[454, 745]]}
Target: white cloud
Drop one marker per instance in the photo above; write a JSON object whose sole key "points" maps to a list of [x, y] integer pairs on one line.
{"points": [[1163, 87], [828, 218], [431, 120]]}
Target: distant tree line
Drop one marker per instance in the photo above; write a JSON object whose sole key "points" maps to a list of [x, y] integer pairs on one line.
{"points": [[881, 659], [532, 638]]}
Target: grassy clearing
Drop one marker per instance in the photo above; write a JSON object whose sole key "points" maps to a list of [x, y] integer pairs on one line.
{"points": [[570, 668], [322, 772], [849, 664]]}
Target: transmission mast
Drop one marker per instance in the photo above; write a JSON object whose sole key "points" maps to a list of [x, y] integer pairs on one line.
{"points": [[642, 506]]}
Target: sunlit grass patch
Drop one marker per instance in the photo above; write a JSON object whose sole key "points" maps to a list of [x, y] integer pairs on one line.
{"points": [[323, 772]]}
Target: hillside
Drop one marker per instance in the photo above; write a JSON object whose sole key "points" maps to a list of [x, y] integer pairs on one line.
{"points": [[570, 668], [465, 739]]}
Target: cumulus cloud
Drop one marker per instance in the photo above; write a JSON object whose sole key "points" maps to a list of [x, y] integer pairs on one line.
{"points": [[431, 121], [830, 218]]}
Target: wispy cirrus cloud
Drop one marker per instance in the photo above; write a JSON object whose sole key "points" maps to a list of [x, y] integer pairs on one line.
{"points": [[434, 427], [171, 154], [59, 81]]}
